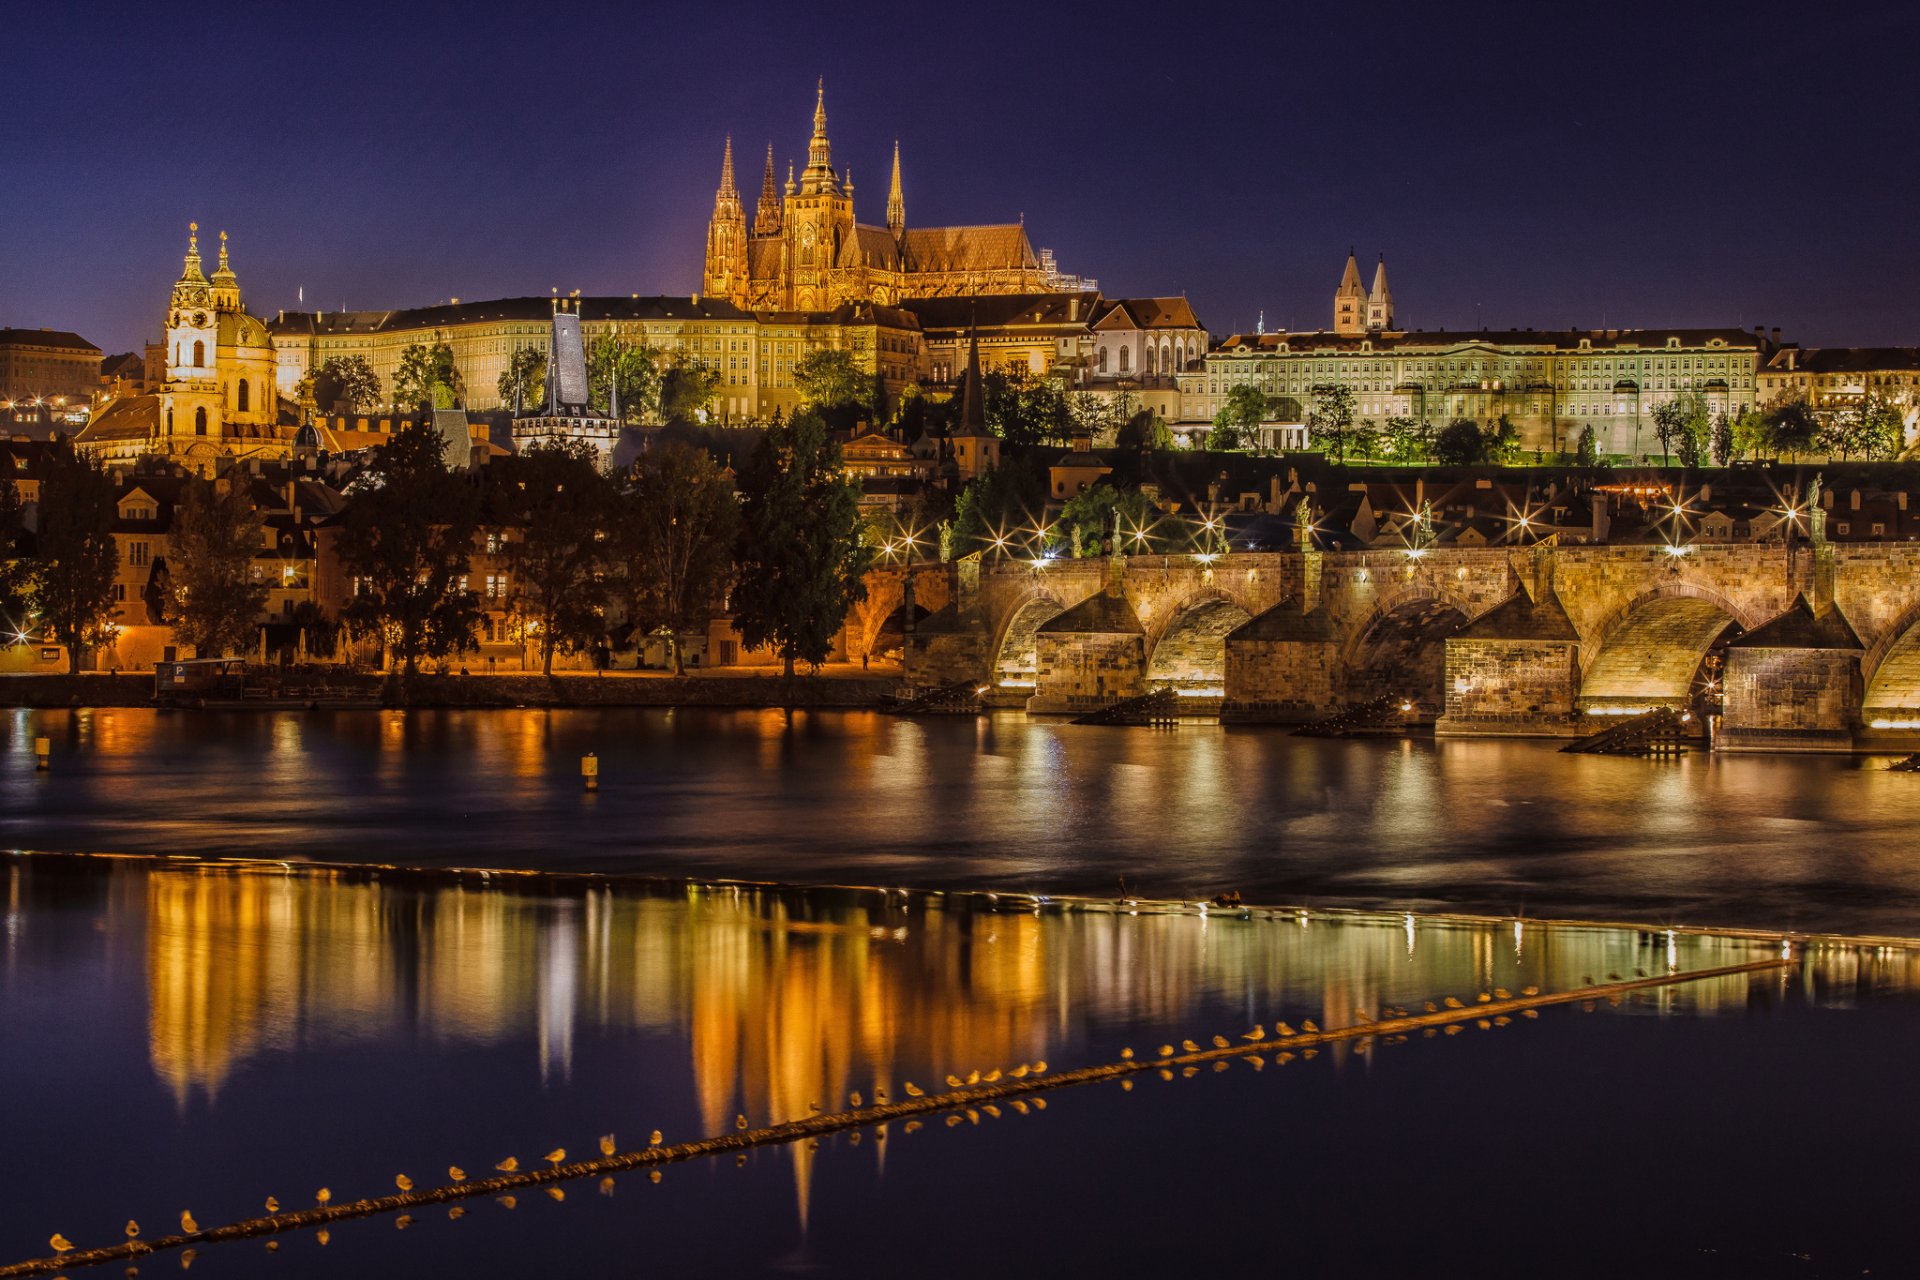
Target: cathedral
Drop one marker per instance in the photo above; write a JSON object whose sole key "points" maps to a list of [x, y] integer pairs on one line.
{"points": [[805, 251], [217, 398]]}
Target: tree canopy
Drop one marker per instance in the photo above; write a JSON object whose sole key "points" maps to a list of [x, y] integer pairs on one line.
{"points": [[73, 574], [679, 524], [213, 599], [687, 387], [342, 381], [560, 507], [426, 376], [801, 559]]}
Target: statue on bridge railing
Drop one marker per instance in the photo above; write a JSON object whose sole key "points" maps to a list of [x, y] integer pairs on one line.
{"points": [[1303, 524], [1816, 514]]}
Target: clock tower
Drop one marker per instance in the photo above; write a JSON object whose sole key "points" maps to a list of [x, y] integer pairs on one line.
{"points": [[191, 400]]}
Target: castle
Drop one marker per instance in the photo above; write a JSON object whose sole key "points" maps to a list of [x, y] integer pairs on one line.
{"points": [[807, 253]]}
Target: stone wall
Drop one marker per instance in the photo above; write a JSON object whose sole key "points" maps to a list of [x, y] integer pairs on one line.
{"points": [[1510, 688], [1079, 672], [1794, 699], [1280, 681]]}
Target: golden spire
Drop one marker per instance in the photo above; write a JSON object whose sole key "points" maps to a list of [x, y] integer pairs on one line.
{"points": [[190, 273], [896, 200], [727, 189], [819, 175]]}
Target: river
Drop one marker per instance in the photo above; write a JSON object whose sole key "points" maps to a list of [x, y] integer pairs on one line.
{"points": [[992, 803]]}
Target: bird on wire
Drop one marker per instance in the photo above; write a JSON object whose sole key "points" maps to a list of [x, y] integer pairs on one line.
{"points": [[1166, 1051], [953, 1082], [187, 1224], [607, 1145], [653, 1176], [914, 1090], [133, 1229], [1020, 1106], [740, 1122], [1020, 1072], [1529, 991], [1040, 1067], [555, 1156], [1310, 1027], [1282, 1029], [510, 1165], [60, 1243], [455, 1172], [1501, 993], [273, 1205], [1451, 1003], [403, 1182], [1255, 1036], [992, 1077], [1219, 1042], [1190, 1046], [1483, 998], [973, 1077], [506, 1202], [1126, 1055], [1431, 1007]]}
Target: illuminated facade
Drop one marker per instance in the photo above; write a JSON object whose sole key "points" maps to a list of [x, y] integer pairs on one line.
{"points": [[1549, 383], [218, 397], [805, 251]]}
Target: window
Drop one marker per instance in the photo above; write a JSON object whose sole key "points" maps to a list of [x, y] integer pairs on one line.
{"points": [[200, 421], [136, 553], [242, 402], [119, 593], [199, 354]]}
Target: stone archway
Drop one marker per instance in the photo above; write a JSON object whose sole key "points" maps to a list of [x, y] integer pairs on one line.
{"points": [[1016, 660], [1191, 654], [1401, 651], [1652, 652], [1891, 672]]}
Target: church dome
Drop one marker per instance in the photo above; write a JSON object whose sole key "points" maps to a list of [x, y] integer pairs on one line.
{"points": [[240, 331]]}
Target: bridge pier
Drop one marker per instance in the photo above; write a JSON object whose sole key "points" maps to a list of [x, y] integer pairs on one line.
{"points": [[1091, 656], [1281, 667], [1793, 684], [1514, 672]]}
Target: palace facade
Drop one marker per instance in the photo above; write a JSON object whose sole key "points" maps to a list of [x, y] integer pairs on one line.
{"points": [[1549, 383], [805, 250]]}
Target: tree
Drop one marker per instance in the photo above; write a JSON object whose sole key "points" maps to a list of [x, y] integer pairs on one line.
{"points": [[405, 539], [678, 527], [997, 511], [801, 561], [214, 600], [1681, 426], [1101, 512], [1720, 439], [348, 380], [1869, 427], [1749, 431], [559, 502], [16, 571], [73, 577], [426, 376], [1238, 422], [1404, 440], [829, 378], [1024, 410], [1586, 453], [1331, 418], [1501, 442], [633, 367], [1791, 427], [1225, 434], [1094, 415], [524, 381], [1460, 443], [687, 387], [1145, 430]]}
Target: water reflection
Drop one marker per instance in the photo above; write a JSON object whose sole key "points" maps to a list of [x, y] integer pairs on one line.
{"points": [[568, 999]]}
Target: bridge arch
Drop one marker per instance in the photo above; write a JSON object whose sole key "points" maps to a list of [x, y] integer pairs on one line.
{"points": [[1190, 653], [1016, 661], [1652, 650], [1400, 649], [1890, 670]]}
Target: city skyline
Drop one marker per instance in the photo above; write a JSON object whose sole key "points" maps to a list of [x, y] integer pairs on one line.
{"points": [[1220, 173]]}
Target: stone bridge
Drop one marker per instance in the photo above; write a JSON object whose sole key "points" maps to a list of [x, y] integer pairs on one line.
{"points": [[1811, 646]]}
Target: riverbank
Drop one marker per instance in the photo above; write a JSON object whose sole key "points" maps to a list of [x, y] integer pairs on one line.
{"points": [[848, 689]]}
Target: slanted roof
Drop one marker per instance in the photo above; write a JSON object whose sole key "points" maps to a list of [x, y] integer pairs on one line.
{"points": [[1521, 617], [1005, 310], [1099, 614], [1801, 628], [871, 247], [46, 338], [1287, 621], [1148, 313], [123, 418], [984, 248]]}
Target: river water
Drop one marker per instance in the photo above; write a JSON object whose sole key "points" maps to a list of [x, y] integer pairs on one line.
{"points": [[198, 1033], [1001, 803]]}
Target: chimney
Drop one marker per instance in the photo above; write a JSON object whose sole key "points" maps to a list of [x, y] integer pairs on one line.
{"points": [[1776, 335], [1601, 524]]}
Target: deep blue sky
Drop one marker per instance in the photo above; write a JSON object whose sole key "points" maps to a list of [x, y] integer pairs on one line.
{"points": [[1543, 165]]}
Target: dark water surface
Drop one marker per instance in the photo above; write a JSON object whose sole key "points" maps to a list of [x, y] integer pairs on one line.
{"points": [[189, 1037], [1004, 803]]}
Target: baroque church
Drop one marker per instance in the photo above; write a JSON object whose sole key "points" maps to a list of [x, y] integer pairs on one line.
{"points": [[806, 251], [217, 398]]}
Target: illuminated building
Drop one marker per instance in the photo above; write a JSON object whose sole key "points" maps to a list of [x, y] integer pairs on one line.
{"points": [[807, 252], [1551, 384], [218, 398], [47, 375]]}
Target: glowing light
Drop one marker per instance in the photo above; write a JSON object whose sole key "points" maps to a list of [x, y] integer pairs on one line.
{"points": [[1415, 553], [1673, 550]]}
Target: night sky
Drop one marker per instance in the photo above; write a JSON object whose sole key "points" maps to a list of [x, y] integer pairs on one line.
{"points": [[1543, 165]]}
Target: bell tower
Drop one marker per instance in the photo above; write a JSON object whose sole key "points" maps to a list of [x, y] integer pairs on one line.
{"points": [[1350, 302], [819, 219], [726, 272], [191, 400]]}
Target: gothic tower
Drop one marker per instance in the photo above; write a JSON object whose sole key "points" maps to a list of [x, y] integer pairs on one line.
{"points": [[726, 273], [819, 219], [1380, 300], [896, 201], [766, 218], [1350, 301]]}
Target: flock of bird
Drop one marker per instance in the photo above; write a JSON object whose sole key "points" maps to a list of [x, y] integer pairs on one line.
{"points": [[1281, 1033]]}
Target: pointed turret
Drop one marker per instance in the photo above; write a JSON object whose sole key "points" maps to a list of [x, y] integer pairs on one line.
{"points": [[896, 200], [726, 268], [791, 185], [766, 219], [190, 272], [818, 177], [727, 190], [226, 286], [1350, 300], [1380, 300], [973, 400]]}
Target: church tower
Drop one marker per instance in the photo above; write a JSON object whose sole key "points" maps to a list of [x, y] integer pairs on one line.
{"points": [[766, 218], [726, 273], [819, 219], [190, 399], [896, 200], [1350, 302], [1380, 300]]}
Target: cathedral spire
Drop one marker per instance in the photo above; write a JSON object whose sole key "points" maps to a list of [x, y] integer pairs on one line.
{"points": [[766, 219], [190, 272], [1350, 300], [973, 401], [896, 201], [226, 287], [819, 175], [727, 190]]}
